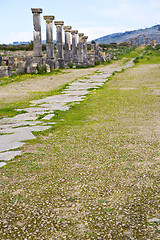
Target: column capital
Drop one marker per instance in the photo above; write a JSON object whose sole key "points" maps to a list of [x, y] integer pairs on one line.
{"points": [[81, 34], [49, 18], [85, 37], [74, 32], [67, 28], [36, 10], [58, 23]]}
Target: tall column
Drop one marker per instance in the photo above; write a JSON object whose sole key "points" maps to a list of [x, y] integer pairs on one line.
{"points": [[85, 56], [67, 53], [137, 42], [131, 42], [49, 41], [59, 43], [97, 53], [37, 44], [80, 55], [74, 46], [92, 46]]}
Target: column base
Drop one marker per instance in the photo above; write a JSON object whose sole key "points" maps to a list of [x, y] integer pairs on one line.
{"points": [[51, 63], [60, 63]]}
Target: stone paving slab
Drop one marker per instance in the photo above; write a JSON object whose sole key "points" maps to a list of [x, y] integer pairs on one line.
{"points": [[75, 93], [48, 117], [10, 145], [6, 156], [2, 164]]}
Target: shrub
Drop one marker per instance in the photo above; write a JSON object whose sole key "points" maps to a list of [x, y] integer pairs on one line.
{"points": [[70, 65], [42, 69]]}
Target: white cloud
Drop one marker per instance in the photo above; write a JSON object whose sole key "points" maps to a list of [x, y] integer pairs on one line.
{"points": [[155, 3]]}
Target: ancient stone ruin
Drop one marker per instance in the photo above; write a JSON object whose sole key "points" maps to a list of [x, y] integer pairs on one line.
{"points": [[72, 51], [147, 41]]}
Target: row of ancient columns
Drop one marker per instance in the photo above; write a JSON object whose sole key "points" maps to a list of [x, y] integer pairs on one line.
{"points": [[136, 39], [77, 55]]}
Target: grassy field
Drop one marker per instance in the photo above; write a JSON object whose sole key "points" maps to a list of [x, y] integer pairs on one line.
{"points": [[95, 174]]}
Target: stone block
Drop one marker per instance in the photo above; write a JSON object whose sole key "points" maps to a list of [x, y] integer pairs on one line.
{"points": [[5, 71]]}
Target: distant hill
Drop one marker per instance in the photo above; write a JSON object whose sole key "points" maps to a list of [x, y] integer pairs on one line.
{"points": [[126, 36]]}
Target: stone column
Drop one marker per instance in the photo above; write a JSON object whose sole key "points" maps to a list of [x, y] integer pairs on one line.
{"points": [[131, 42], [97, 53], [67, 53], [80, 55], [137, 42], [85, 56], [59, 43], [146, 41], [92, 46], [74, 46], [49, 41], [37, 44]]}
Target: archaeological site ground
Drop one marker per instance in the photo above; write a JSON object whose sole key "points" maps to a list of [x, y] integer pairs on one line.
{"points": [[80, 155], [79, 137]]}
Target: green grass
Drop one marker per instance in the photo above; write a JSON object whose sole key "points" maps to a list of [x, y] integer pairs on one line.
{"points": [[95, 173], [24, 77]]}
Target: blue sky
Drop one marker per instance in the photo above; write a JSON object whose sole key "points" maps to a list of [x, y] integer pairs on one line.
{"points": [[95, 18]]}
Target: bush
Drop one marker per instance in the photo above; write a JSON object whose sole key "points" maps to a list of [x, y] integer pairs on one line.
{"points": [[70, 65], [42, 69]]}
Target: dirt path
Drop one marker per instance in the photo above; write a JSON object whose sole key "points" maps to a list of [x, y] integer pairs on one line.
{"points": [[20, 91]]}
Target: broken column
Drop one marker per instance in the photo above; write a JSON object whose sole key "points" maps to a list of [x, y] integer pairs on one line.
{"points": [[92, 55], [80, 54], [97, 53], [59, 43], [74, 47], [67, 54], [49, 41], [85, 56], [37, 43]]}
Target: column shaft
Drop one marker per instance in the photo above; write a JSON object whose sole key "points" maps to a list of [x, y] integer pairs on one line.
{"points": [[59, 43], [85, 56], [67, 54], [37, 43], [49, 41], [74, 46], [80, 56]]}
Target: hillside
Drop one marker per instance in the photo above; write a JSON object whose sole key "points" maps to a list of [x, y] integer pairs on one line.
{"points": [[152, 32]]}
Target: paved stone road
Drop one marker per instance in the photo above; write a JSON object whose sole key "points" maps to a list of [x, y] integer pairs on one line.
{"points": [[14, 131]]}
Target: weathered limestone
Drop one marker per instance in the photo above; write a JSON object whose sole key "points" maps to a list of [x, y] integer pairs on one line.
{"points": [[74, 47], [97, 52], [92, 55], [85, 56], [80, 54], [5, 71], [49, 41], [67, 54], [59, 43], [37, 45]]}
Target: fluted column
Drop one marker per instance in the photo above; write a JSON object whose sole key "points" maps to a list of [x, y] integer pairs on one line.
{"points": [[37, 42], [80, 55], [85, 56], [67, 53], [74, 46], [49, 41], [59, 43]]}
